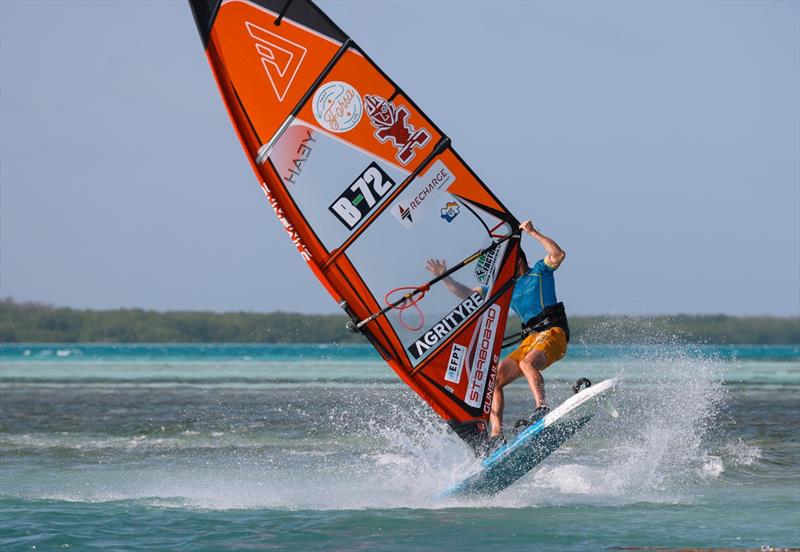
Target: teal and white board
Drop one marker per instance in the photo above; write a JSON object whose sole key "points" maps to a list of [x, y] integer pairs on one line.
{"points": [[516, 458]]}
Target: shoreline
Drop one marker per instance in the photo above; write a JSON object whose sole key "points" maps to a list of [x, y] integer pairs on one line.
{"points": [[36, 323]]}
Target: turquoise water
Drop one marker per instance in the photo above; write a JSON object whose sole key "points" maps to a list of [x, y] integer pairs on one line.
{"points": [[240, 447]]}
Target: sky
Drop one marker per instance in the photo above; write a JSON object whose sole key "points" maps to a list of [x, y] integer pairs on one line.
{"points": [[657, 142]]}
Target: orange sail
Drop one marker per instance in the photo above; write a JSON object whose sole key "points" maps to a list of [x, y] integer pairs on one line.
{"points": [[369, 189]]}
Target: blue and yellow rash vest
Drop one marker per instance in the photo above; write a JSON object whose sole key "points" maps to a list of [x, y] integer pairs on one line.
{"points": [[534, 290]]}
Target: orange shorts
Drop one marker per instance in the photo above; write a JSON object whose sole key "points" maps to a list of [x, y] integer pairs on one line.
{"points": [[552, 342]]}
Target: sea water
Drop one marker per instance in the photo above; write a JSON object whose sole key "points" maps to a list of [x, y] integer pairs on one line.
{"points": [[309, 447]]}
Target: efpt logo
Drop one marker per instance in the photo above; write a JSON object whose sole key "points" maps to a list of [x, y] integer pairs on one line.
{"points": [[450, 211]]}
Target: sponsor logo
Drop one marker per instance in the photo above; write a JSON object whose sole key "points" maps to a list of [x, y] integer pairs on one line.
{"points": [[337, 106], [302, 153], [487, 398], [484, 268], [361, 196], [449, 211], [483, 360], [428, 186], [390, 123], [456, 363], [280, 57], [405, 215], [295, 237], [445, 326]]}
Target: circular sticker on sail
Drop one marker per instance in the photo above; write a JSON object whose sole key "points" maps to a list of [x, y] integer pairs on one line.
{"points": [[337, 106]]}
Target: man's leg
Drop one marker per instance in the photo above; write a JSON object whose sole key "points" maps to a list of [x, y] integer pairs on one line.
{"points": [[531, 366], [507, 372]]}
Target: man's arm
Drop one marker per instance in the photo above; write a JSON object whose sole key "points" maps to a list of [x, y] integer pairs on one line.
{"points": [[555, 255], [456, 288]]}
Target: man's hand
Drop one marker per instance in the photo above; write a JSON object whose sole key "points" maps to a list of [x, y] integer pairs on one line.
{"points": [[456, 288], [555, 255], [527, 226], [436, 266]]}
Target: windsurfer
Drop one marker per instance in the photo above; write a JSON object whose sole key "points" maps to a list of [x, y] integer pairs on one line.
{"points": [[544, 327]]}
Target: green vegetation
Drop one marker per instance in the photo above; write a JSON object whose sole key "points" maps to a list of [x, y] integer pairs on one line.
{"points": [[35, 323]]}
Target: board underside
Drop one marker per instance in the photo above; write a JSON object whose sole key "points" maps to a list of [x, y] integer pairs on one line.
{"points": [[517, 458], [533, 445]]}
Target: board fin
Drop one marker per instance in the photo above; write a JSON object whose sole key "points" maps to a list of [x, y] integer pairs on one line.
{"points": [[609, 407]]}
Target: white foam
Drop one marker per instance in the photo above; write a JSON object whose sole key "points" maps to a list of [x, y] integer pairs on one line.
{"points": [[712, 467], [739, 453]]}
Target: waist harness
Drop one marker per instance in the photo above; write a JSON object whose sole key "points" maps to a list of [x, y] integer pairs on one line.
{"points": [[553, 316]]}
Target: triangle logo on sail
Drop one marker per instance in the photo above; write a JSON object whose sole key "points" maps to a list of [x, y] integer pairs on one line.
{"points": [[280, 57]]}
